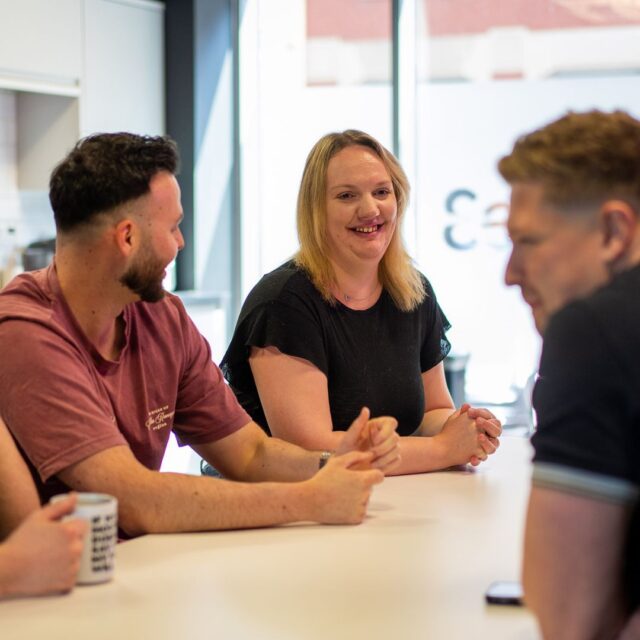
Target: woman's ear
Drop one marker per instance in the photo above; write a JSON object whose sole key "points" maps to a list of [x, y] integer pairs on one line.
{"points": [[619, 223]]}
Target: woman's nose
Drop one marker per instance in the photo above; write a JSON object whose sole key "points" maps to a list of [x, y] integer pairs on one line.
{"points": [[368, 207]]}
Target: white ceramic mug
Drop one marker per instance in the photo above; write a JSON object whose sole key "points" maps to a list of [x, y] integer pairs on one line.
{"points": [[101, 513]]}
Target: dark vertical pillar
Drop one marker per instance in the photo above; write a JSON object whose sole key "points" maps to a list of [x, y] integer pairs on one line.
{"points": [[396, 6], [180, 79], [199, 37]]}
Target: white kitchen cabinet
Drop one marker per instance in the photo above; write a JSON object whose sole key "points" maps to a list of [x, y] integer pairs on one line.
{"points": [[123, 80], [41, 45], [78, 67]]}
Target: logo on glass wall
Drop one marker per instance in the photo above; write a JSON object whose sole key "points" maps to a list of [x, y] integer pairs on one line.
{"points": [[472, 224]]}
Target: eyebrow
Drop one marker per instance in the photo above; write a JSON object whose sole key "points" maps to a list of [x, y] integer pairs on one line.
{"points": [[382, 183]]}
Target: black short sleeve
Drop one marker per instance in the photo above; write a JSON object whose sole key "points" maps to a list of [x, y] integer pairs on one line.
{"points": [[287, 325], [582, 400], [435, 345]]}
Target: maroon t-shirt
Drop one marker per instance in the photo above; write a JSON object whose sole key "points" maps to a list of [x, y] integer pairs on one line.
{"points": [[64, 402]]}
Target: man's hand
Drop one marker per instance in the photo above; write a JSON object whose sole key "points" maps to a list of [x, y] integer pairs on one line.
{"points": [[43, 553], [378, 436], [339, 493]]}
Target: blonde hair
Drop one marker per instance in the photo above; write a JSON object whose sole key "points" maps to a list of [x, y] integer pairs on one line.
{"points": [[396, 272]]}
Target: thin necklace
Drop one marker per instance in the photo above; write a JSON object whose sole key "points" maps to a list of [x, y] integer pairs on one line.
{"points": [[348, 298]]}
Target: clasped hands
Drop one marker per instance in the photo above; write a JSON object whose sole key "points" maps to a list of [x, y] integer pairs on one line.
{"points": [[482, 432], [377, 437]]}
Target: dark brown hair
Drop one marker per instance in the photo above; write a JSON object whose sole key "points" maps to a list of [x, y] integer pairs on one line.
{"points": [[104, 171], [580, 158]]}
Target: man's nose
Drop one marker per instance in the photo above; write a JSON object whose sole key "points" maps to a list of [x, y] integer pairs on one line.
{"points": [[512, 271]]}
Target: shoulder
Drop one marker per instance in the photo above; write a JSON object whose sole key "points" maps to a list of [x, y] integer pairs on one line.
{"points": [[285, 279], [27, 297], [428, 287], [429, 305], [605, 320], [288, 284]]}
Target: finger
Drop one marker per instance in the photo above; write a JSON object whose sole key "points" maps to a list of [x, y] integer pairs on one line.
{"points": [[354, 432], [486, 444], [465, 407], [373, 476], [489, 427], [387, 463], [474, 461], [60, 508], [479, 412], [390, 444], [351, 458], [77, 527], [495, 442], [381, 428]]}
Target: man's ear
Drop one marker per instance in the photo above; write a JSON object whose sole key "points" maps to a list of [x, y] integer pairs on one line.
{"points": [[619, 223], [125, 235]]}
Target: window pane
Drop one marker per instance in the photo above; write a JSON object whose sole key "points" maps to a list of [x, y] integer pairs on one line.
{"points": [[488, 72], [308, 67]]}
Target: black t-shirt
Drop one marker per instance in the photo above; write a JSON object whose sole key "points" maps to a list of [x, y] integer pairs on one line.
{"points": [[371, 358], [587, 401]]}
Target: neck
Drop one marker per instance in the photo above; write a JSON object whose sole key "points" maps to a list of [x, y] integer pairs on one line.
{"points": [[94, 296], [357, 287], [629, 259]]}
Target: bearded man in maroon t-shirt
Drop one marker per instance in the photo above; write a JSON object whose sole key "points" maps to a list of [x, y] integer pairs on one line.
{"points": [[99, 364]]}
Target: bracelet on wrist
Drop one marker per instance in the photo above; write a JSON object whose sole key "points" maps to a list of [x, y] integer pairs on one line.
{"points": [[324, 458]]}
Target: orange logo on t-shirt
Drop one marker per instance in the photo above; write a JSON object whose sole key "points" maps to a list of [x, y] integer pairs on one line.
{"points": [[159, 418]]}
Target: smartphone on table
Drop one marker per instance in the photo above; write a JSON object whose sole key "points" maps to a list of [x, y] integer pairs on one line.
{"points": [[504, 592]]}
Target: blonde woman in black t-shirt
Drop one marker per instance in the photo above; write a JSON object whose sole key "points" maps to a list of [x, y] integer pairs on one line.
{"points": [[349, 322]]}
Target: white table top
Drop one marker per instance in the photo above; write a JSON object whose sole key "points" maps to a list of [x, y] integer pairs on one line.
{"points": [[416, 568]]}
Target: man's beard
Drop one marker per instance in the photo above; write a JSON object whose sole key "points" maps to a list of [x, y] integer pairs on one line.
{"points": [[144, 277]]}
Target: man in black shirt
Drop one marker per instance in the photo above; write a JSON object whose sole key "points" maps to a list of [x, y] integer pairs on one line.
{"points": [[575, 227]]}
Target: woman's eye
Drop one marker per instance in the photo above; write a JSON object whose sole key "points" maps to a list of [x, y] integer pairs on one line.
{"points": [[382, 193], [345, 196]]}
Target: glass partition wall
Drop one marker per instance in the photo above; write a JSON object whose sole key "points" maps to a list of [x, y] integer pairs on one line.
{"points": [[448, 84], [307, 67], [485, 73]]}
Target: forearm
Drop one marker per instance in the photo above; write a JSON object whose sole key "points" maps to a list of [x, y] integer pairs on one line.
{"points": [[434, 420], [18, 496], [573, 558], [154, 502], [277, 460], [420, 455], [170, 503], [16, 503], [7, 574]]}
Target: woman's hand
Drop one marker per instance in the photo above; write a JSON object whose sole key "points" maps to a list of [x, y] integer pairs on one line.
{"points": [[469, 436], [489, 430], [377, 435], [43, 554]]}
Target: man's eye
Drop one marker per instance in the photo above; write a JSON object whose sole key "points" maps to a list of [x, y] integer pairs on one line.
{"points": [[525, 241]]}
